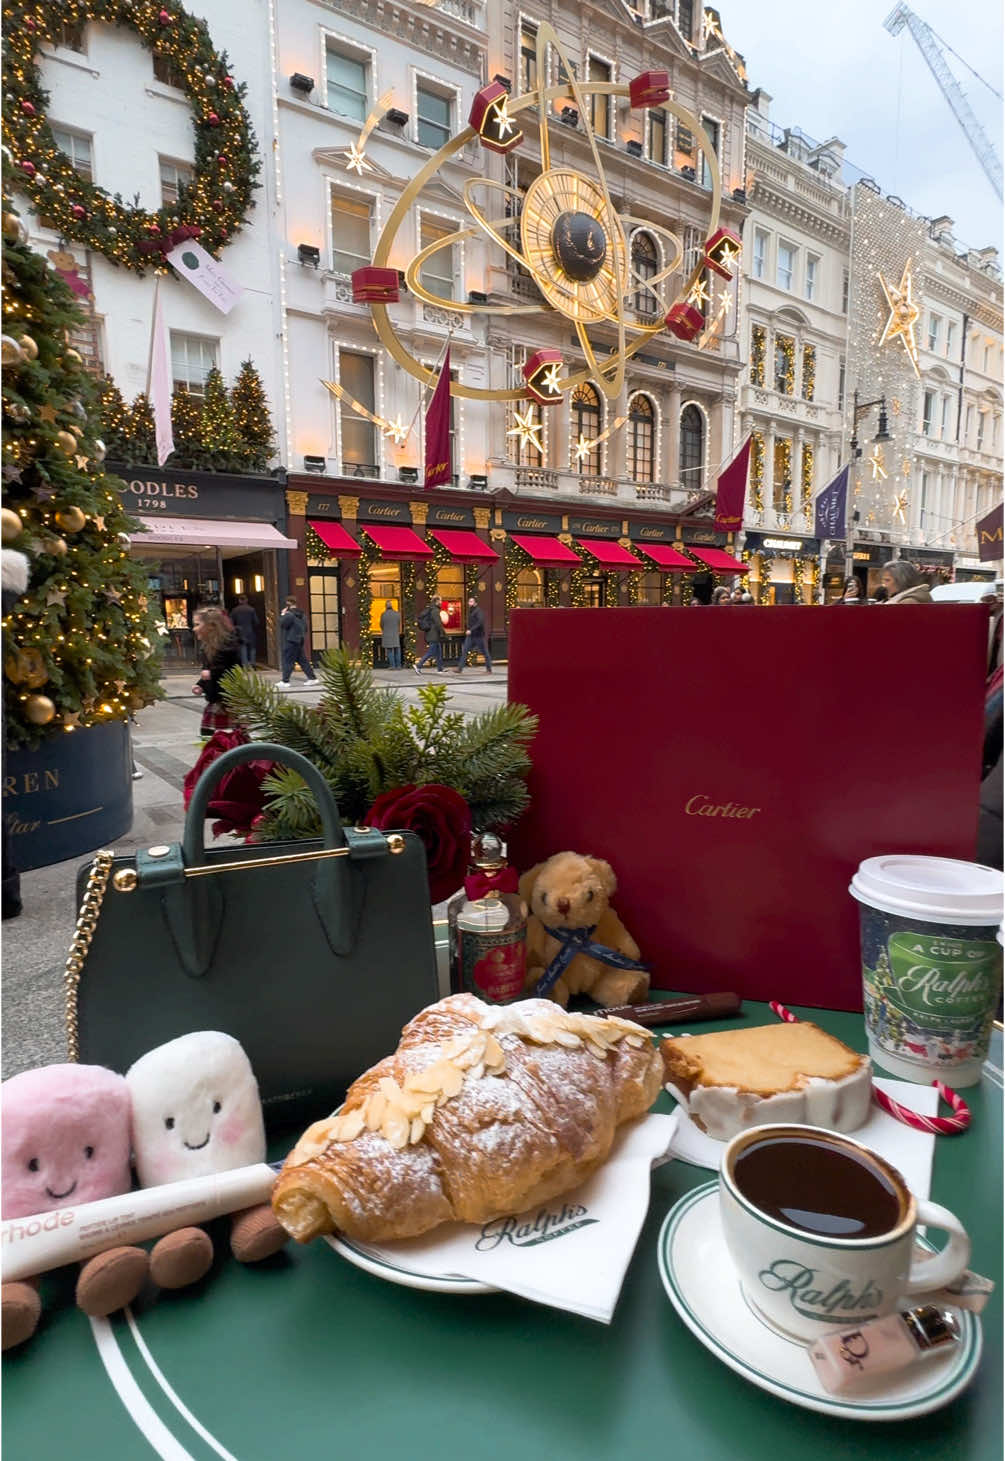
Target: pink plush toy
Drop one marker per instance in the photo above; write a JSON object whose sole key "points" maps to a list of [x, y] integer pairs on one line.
{"points": [[66, 1140]]}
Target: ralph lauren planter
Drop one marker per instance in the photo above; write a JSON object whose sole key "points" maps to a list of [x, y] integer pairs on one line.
{"points": [[73, 794]]}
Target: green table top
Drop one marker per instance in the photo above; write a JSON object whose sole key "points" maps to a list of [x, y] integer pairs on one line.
{"points": [[306, 1355]]}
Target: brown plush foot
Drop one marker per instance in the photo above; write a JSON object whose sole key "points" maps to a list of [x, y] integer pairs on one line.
{"points": [[111, 1280], [255, 1234], [181, 1258], [621, 986], [22, 1309]]}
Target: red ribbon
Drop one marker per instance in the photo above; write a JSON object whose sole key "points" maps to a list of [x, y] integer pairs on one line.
{"points": [[505, 880]]}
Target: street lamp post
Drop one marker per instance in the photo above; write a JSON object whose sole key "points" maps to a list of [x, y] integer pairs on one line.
{"points": [[860, 409]]}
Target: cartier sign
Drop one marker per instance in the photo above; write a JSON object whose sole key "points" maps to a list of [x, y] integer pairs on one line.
{"points": [[591, 527], [651, 532], [384, 512], [531, 522], [450, 517]]}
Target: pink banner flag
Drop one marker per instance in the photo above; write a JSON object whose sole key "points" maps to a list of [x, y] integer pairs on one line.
{"points": [[159, 384], [731, 492], [439, 467]]}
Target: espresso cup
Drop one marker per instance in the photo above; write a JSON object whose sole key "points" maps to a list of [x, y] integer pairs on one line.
{"points": [[821, 1230]]}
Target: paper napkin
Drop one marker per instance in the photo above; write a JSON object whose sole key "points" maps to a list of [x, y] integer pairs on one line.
{"points": [[571, 1253], [910, 1151]]}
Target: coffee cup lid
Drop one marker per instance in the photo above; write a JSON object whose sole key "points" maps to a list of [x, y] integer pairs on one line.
{"points": [[935, 889]]}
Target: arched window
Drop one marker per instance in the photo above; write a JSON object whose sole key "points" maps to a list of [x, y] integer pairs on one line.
{"points": [[530, 588], [641, 454], [585, 407], [645, 263], [692, 448]]}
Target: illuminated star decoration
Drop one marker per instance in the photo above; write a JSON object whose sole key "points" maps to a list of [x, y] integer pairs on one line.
{"points": [[355, 154], [728, 256], [698, 293], [550, 380], [527, 430], [504, 122], [899, 504], [355, 159], [878, 464], [903, 315], [585, 445], [397, 431], [583, 448]]}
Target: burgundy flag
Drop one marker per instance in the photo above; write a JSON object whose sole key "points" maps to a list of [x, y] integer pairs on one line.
{"points": [[989, 536], [731, 491], [439, 468]]}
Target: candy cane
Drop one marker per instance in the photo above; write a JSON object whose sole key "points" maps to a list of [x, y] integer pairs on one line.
{"points": [[940, 1125]]}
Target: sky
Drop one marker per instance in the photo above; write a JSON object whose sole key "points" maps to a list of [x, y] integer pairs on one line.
{"points": [[832, 70]]}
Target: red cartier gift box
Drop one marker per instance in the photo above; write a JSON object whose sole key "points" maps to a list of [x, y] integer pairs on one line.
{"points": [[723, 238], [684, 320], [534, 369], [371, 285], [649, 89], [483, 116], [735, 767]]}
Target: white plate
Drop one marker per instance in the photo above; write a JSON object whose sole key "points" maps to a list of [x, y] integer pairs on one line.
{"points": [[385, 1263], [699, 1278]]}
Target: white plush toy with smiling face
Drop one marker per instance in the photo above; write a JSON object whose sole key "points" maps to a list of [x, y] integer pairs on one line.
{"points": [[195, 1109]]}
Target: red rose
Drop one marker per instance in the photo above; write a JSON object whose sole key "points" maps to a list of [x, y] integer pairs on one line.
{"points": [[238, 798], [441, 818]]}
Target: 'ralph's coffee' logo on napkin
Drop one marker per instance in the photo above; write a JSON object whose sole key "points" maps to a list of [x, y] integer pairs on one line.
{"points": [[525, 1234]]}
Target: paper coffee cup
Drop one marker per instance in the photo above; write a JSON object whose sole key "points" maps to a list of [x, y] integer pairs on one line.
{"points": [[931, 964]]}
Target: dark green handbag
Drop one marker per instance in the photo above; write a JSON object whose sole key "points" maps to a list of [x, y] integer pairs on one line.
{"points": [[312, 954]]}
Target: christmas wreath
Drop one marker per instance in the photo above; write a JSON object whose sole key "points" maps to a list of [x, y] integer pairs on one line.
{"points": [[211, 207]]}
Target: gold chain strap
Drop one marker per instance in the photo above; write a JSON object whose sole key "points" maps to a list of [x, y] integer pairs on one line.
{"points": [[87, 922]]}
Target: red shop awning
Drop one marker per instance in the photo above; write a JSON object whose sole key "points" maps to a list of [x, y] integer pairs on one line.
{"points": [[397, 542], [668, 558], [718, 560], [464, 546], [548, 552], [611, 555], [335, 537]]}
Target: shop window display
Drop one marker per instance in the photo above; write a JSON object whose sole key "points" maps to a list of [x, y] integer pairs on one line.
{"points": [[650, 590], [530, 588], [385, 583], [450, 587]]}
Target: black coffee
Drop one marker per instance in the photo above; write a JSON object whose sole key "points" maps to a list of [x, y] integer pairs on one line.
{"points": [[819, 1188]]}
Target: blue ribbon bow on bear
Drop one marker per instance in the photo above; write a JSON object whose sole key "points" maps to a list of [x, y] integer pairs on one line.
{"points": [[579, 941]]}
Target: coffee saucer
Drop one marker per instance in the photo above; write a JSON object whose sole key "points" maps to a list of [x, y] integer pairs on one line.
{"points": [[702, 1285]]}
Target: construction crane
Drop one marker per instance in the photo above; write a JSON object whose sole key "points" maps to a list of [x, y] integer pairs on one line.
{"points": [[930, 48]]}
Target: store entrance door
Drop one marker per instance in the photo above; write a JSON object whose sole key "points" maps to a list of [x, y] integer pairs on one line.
{"points": [[595, 593], [326, 609]]}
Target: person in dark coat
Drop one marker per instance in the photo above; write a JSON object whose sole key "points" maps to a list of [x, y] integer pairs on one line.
{"points": [[390, 635], [245, 621], [475, 638], [293, 634], [218, 643], [431, 624]]}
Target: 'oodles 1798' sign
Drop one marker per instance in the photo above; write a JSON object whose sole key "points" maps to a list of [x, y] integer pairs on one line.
{"points": [[164, 490]]}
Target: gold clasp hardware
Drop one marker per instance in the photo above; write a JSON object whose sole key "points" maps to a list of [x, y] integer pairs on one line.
{"points": [[125, 880]]}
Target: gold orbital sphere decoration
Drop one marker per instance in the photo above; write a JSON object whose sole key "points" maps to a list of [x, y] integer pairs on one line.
{"points": [[39, 709], [67, 442], [71, 519], [11, 525]]}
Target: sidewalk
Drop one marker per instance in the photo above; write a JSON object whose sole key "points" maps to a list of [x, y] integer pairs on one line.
{"points": [[165, 745]]}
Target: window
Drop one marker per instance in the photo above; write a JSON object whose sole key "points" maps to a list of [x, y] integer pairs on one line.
{"points": [[685, 18], [934, 325], [528, 56], [926, 496], [437, 273], [174, 177], [785, 365], [656, 138], [166, 72], [760, 254], [809, 372], [841, 382], [968, 434], [641, 439], [947, 405], [69, 34], [758, 351], [981, 419], [585, 407], [645, 263], [650, 590], [692, 448], [812, 272], [600, 106], [950, 339], [350, 232], [781, 498], [928, 413], [530, 588], [786, 267], [192, 359], [434, 116], [845, 290], [713, 131], [348, 84], [77, 147], [359, 436], [684, 145]]}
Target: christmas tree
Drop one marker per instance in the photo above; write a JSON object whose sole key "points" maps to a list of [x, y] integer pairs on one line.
{"points": [[80, 646], [141, 446], [114, 415], [220, 441], [186, 428], [254, 423]]}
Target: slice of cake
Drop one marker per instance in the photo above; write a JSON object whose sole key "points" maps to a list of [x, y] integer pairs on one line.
{"points": [[733, 1079]]}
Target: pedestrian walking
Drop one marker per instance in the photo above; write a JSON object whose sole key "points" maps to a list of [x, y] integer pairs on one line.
{"points": [[217, 642], [292, 635], [475, 638], [390, 635], [430, 621], [905, 584], [245, 620]]}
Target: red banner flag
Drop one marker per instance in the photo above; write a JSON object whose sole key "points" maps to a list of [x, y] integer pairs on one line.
{"points": [[989, 537], [439, 468], [731, 491]]}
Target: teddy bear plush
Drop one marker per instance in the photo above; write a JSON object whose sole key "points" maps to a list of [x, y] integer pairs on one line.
{"points": [[576, 943]]}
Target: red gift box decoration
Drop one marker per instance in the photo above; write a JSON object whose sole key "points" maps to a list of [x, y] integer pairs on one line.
{"points": [[374, 286], [684, 320], [489, 116], [722, 250], [650, 89], [542, 372]]}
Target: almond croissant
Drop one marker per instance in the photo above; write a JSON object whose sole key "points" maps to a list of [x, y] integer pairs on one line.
{"points": [[482, 1110]]}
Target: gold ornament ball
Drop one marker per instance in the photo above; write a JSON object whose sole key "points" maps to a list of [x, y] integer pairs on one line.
{"points": [[71, 519], [58, 547], [11, 525], [12, 354], [29, 347], [11, 225], [66, 442], [39, 709]]}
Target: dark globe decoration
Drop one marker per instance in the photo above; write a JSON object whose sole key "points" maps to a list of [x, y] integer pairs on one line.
{"points": [[580, 246]]}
